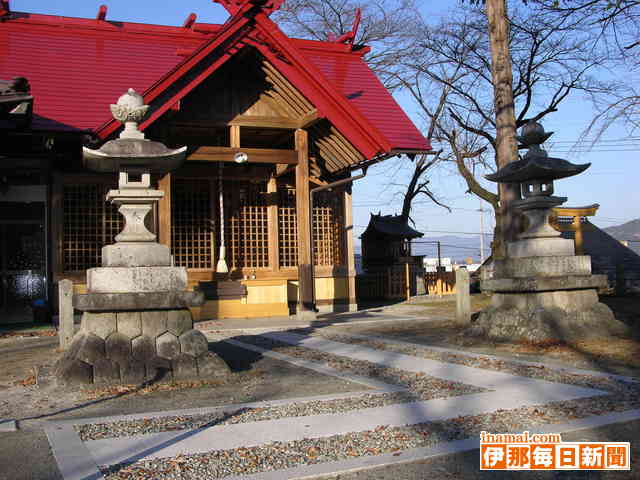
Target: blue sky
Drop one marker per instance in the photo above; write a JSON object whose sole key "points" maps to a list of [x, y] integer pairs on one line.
{"points": [[612, 180]]}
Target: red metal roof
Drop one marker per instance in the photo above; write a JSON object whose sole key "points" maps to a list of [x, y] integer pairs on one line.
{"points": [[359, 84], [77, 67]]}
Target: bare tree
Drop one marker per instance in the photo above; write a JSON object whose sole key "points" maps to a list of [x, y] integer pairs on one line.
{"points": [[550, 61], [386, 25], [616, 28]]}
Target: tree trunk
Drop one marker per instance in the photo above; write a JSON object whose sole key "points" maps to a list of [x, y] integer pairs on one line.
{"points": [[506, 144]]}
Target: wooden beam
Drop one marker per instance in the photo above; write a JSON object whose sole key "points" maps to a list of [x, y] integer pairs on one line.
{"points": [[272, 222], [306, 307], [264, 122], [164, 211], [256, 155], [309, 119], [317, 181]]}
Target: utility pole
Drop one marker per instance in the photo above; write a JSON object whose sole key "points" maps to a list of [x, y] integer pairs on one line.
{"points": [[481, 233]]}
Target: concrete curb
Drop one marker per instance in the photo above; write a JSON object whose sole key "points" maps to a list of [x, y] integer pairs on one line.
{"points": [[576, 371], [73, 458], [8, 425], [369, 382]]}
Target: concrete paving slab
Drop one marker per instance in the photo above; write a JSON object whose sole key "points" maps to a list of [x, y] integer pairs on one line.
{"points": [[8, 425], [447, 371], [291, 322], [74, 460], [577, 371]]}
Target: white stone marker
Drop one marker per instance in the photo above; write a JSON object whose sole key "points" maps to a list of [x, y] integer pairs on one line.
{"points": [[463, 298], [65, 316]]}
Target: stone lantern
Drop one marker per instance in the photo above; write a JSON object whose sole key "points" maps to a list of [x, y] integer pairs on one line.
{"points": [[136, 325], [542, 291], [535, 173]]}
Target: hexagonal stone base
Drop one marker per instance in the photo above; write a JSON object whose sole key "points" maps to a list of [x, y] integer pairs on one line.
{"points": [[132, 347]]}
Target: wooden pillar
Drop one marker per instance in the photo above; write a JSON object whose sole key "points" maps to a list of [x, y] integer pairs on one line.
{"points": [[407, 279], [57, 226], [234, 136], [164, 211], [577, 224], [349, 250], [306, 307], [272, 222]]}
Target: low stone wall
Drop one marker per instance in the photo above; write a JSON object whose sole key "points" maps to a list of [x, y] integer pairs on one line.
{"points": [[132, 347]]}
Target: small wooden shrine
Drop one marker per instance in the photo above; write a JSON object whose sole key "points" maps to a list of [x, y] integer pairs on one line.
{"points": [[386, 252], [266, 119]]}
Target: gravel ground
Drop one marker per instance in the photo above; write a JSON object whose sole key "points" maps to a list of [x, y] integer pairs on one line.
{"points": [[279, 455]]}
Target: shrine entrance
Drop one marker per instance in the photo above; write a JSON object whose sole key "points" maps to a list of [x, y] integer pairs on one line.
{"points": [[22, 260]]}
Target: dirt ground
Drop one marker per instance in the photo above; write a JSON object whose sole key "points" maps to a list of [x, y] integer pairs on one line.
{"points": [[253, 378], [21, 356], [434, 327]]}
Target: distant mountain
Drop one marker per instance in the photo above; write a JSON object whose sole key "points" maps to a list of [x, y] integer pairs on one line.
{"points": [[629, 232], [451, 246]]}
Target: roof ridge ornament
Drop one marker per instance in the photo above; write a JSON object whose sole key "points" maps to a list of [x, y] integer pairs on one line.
{"points": [[235, 6], [5, 9]]}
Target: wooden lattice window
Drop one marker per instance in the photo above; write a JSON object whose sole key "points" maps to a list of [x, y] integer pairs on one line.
{"points": [[193, 223], [89, 223], [288, 228], [246, 224], [328, 230]]}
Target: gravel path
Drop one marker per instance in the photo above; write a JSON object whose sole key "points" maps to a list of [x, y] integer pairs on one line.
{"points": [[384, 439], [280, 455]]}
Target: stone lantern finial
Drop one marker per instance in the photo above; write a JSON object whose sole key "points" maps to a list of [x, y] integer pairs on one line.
{"points": [[130, 110], [532, 136]]}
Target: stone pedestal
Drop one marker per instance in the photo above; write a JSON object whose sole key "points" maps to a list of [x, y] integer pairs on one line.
{"points": [[545, 300], [131, 347]]}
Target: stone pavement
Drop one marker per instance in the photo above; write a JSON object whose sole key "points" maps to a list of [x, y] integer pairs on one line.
{"points": [[396, 313], [79, 460]]}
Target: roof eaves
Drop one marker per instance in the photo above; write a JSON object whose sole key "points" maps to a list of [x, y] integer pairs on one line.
{"points": [[337, 108]]}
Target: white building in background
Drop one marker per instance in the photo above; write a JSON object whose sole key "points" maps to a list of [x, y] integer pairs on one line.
{"points": [[431, 264]]}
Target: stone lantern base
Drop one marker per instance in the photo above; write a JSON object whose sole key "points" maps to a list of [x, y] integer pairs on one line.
{"points": [[545, 300], [131, 347]]}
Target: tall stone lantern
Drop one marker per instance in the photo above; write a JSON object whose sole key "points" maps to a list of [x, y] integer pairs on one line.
{"points": [[542, 291], [136, 324]]}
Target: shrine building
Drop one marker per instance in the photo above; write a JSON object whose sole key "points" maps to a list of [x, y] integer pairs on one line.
{"points": [[276, 130]]}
